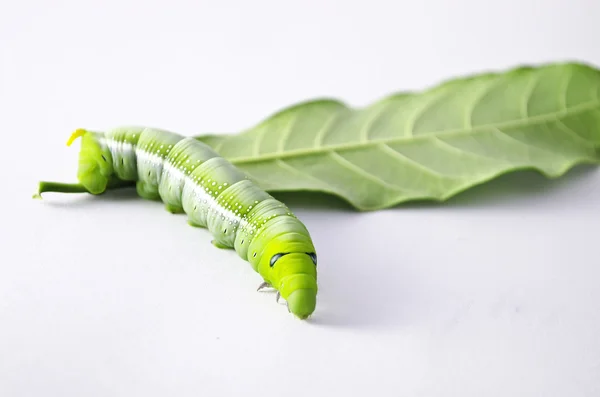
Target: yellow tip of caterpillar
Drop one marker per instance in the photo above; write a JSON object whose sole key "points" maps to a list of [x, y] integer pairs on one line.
{"points": [[78, 132]]}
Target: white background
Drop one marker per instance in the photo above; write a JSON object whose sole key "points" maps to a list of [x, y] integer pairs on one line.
{"points": [[494, 294]]}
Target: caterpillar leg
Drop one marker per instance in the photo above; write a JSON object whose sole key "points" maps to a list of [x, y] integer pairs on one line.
{"points": [[174, 209], [219, 245], [287, 304], [194, 224], [278, 296], [145, 192], [263, 286]]}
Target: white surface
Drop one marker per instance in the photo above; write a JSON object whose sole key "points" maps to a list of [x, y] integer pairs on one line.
{"points": [[495, 294]]}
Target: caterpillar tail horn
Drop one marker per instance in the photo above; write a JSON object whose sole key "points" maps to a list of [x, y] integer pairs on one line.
{"points": [[78, 133]]}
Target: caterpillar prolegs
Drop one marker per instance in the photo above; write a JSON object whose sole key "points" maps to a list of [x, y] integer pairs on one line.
{"points": [[190, 177]]}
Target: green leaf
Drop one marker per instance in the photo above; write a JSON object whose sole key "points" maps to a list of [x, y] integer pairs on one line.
{"points": [[429, 145]]}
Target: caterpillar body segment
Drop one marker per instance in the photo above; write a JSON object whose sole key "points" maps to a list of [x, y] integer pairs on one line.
{"points": [[190, 177]]}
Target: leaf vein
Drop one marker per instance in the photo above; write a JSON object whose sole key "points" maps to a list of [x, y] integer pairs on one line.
{"points": [[525, 144], [323, 131], [259, 137], [296, 171], [219, 146], [362, 172], [534, 80], [513, 124], [463, 152], [560, 124], [283, 136], [470, 109], [364, 133], [420, 111], [405, 159], [565, 90]]}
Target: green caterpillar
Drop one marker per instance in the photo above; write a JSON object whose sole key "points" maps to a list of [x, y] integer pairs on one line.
{"points": [[190, 177]]}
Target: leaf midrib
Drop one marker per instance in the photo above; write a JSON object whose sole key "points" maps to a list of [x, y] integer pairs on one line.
{"points": [[586, 106]]}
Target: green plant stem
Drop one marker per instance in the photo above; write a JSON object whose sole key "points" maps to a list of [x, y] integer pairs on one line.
{"points": [[60, 187]]}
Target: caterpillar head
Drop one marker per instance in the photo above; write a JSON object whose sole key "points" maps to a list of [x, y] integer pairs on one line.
{"points": [[95, 160], [289, 263]]}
